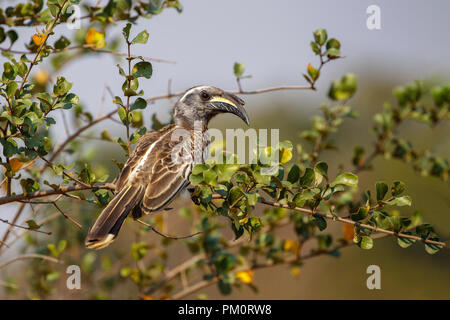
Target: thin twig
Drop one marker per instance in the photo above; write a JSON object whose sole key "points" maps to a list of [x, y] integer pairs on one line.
{"points": [[92, 48], [30, 256], [165, 235], [66, 216], [23, 227], [259, 91]]}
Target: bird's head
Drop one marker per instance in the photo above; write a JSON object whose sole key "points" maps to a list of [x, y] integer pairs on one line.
{"points": [[204, 102]]}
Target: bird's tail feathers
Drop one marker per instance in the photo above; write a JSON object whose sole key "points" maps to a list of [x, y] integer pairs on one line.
{"points": [[109, 222]]}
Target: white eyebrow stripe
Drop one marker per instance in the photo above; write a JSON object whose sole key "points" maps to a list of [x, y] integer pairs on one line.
{"points": [[192, 90]]}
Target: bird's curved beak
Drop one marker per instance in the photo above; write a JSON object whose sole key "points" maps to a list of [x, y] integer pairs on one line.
{"points": [[231, 103]]}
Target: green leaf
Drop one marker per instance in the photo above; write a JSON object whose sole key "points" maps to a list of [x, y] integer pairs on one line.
{"points": [[294, 174], [62, 86], [238, 230], [313, 72], [333, 44], [239, 69], [398, 188], [315, 48], [322, 169], [102, 196], [2, 35], [29, 185], [11, 88], [301, 198], [142, 37], [196, 179], [122, 114], [307, 178], [142, 69], [13, 36], [332, 53], [32, 225], [382, 189], [9, 71], [346, 179], [234, 195], [224, 288], [62, 43], [343, 89], [432, 248], [139, 250], [139, 103], [320, 36], [360, 215], [424, 230], [126, 31], [254, 224], [210, 177], [52, 276], [9, 147], [366, 243], [405, 242], [199, 168], [320, 222], [156, 124], [324, 241], [155, 6], [400, 201]]}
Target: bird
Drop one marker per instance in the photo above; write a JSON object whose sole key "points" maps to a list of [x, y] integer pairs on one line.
{"points": [[161, 162]]}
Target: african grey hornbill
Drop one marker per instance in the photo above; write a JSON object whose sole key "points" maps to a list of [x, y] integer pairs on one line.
{"points": [[160, 165]]}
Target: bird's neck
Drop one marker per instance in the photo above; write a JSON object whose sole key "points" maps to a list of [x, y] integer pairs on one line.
{"points": [[191, 124]]}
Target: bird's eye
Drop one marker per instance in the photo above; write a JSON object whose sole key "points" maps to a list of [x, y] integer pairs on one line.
{"points": [[204, 95]]}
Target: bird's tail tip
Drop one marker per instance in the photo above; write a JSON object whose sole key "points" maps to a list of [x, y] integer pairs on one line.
{"points": [[99, 242]]}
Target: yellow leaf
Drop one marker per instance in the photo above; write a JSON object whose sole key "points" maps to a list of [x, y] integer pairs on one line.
{"points": [[41, 77], [310, 67], [286, 155], [5, 185], [95, 39], [245, 276], [244, 220], [349, 232], [146, 297], [15, 164], [291, 246], [295, 271], [39, 38], [159, 220], [164, 296]]}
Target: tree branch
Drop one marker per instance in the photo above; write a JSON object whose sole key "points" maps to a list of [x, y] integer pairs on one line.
{"points": [[206, 283], [30, 256], [61, 190], [49, 31], [354, 223]]}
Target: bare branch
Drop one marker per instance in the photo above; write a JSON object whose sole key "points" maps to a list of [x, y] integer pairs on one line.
{"points": [[165, 235], [22, 227], [30, 256]]}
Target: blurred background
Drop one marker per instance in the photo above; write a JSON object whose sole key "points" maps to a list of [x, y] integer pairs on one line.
{"points": [[272, 39]]}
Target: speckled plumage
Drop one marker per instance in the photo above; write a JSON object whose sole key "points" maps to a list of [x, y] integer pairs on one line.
{"points": [[160, 165]]}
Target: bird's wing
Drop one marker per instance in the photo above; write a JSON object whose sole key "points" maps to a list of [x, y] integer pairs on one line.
{"points": [[152, 166], [145, 143]]}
